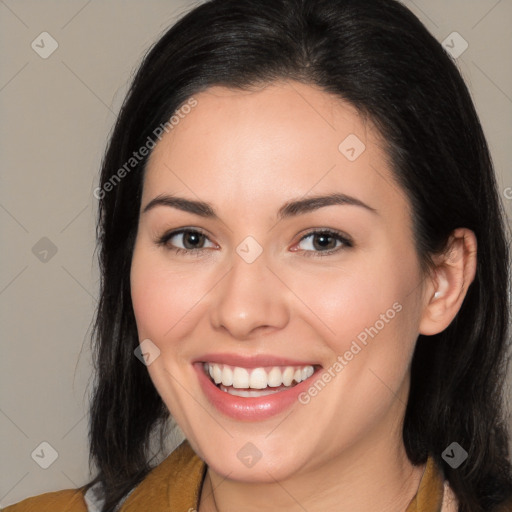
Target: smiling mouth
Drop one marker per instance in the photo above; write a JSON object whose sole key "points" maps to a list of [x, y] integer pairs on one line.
{"points": [[256, 382]]}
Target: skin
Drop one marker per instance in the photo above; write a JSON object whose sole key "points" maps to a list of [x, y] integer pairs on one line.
{"points": [[247, 153]]}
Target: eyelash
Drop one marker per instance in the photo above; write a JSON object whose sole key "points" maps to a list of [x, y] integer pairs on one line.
{"points": [[345, 241]]}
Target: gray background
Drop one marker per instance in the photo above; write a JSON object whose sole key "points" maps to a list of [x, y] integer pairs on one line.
{"points": [[56, 114]]}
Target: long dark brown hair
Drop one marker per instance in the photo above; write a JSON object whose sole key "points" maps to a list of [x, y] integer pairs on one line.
{"points": [[378, 56]]}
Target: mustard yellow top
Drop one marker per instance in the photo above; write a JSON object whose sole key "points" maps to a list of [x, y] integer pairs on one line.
{"points": [[175, 486]]}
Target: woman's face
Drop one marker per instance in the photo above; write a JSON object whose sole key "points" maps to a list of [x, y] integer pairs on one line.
{"points": [[245, 283]]}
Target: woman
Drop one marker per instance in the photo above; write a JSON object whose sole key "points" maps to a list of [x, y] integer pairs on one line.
{"points": [[304, 266]]}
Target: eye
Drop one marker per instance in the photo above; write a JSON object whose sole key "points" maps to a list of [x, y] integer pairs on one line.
{"points": [[323, 242], [185, 241]]}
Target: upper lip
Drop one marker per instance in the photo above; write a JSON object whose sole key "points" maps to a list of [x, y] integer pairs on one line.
{"points": [[255, 361]]}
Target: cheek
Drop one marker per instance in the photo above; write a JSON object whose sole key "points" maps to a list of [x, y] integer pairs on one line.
{"points": [[166, 307], [371, 310], [165, 302], [368, 310], [356, 296]]}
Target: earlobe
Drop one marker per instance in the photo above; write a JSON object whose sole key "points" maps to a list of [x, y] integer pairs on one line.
{"points": [[454, 272]]}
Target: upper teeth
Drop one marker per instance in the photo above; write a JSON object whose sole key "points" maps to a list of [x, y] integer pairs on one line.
{"points": [[257, 378]]}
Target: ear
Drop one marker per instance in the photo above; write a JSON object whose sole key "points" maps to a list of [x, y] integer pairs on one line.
{"points": [[449, 281]]}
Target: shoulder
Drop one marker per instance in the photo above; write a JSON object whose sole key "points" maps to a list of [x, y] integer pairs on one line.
{"points": [[175, 484], [68, 500], [451, 504]]}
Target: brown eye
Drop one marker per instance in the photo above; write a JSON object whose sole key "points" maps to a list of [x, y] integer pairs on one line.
{"points": [[185, 240], [193, 239], [327, 242], [324, 241]]}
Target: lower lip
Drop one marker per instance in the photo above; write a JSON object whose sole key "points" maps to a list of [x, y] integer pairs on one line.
{"points": [[249, 408]]}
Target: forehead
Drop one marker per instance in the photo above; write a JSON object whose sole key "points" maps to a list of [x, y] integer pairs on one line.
{"points": [[282, 140]]}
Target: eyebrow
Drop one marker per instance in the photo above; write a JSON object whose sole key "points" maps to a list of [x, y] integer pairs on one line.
{"points": [[289, 209], [187, 205]]}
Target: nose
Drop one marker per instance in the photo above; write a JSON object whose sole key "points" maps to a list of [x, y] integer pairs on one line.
{"points": [[250, 300]]}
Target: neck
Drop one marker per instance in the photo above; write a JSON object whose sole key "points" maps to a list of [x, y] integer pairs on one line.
{"points": [[373, 476]]}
